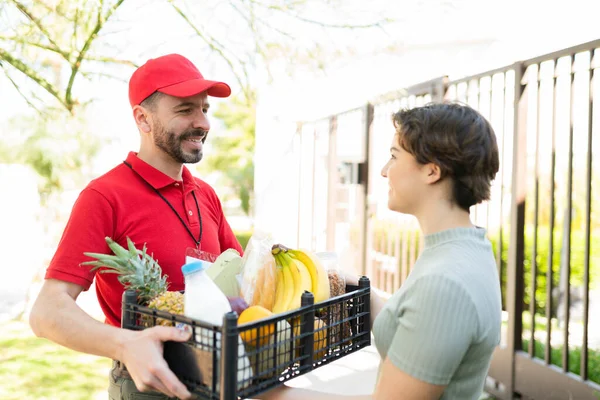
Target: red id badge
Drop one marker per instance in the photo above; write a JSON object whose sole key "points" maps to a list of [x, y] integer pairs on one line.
{"points": [[192, 254]]}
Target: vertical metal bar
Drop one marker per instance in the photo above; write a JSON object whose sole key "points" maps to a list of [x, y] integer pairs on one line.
{"points": [[405, 262], [128, 319], [364, 322], [312, 189], [382, 249], [474, 210], [500, 248], [569, 208], [299, 129], [413, 247], [398, 266], [307, 328], [549, 271], [229, 357], [389, 252], [588, 219], [534, 269], [369, 117], [332, 184], [514, 296], [490, 110]]}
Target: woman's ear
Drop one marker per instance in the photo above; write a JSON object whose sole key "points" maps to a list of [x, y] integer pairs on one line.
{"points": [[142, 119], [433, 173]]}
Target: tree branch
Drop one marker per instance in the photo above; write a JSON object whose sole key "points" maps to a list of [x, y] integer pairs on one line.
{"points": [[52, 10], [90, 75], [39, 25], [255, 17], [217, 47], [101, 20], [19, 90], [22, 40], [75, 24], [110, 60], [24, 68], [287, 11]]}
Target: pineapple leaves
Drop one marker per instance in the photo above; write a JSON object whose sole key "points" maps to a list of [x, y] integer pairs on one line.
{"points": [[136, 269]]}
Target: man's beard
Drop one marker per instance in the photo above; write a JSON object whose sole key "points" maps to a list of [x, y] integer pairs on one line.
{"points": [[171, 143]]}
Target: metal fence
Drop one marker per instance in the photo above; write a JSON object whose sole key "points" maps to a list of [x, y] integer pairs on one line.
{"points": [[540, 219]]}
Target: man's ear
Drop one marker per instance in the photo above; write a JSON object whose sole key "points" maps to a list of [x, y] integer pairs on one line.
{"points": [[142, 118], [433, 173]]}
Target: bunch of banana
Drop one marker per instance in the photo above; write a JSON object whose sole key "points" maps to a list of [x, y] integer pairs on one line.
{"points": [[297, 271]]}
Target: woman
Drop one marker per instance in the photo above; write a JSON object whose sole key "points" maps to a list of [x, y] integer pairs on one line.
{"points": [[436, 334]]}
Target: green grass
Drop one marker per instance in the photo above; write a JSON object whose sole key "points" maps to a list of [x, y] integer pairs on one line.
{"points": [[33, 368]]}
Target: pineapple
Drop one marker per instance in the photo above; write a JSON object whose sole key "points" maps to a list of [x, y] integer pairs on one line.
{"points": [[139, 271]]}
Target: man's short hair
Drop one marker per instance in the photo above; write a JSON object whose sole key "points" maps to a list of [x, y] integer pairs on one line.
{"points": [[151, 101]]}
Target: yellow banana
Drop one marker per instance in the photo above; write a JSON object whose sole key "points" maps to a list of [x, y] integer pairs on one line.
{"points": [[296, 288], [285, 286], [305, 278], [319, 277], [279, 289]]}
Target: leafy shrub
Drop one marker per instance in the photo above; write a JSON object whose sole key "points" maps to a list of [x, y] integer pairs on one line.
{"points": [[243, 237]]}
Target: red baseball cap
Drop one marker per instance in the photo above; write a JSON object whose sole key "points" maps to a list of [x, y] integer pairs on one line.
{"points": [[172, 74]]}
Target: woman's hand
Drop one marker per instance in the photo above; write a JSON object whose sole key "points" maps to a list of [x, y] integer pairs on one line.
{"points": [[278, 393]]}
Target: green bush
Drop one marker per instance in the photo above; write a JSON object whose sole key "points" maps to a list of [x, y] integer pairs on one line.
{"points": [[243, 237], [574, 358], [542, 256]]}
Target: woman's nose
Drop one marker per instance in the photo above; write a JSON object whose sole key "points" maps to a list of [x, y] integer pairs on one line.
{"points": [[384, 171]]}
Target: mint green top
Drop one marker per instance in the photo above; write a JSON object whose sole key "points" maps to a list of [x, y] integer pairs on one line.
{"points": [[443, 324]]}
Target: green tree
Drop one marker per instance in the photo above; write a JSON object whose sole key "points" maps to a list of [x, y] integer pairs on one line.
{"points": [[276, 37], [55, 145], [46, 45], [232, 153], [43, 42]]}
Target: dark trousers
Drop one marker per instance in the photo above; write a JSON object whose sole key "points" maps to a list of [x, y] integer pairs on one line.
{"points": [[121, 387]]}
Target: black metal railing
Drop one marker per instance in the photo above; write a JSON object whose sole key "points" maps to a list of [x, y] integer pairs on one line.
{"points": [[540, 219]]}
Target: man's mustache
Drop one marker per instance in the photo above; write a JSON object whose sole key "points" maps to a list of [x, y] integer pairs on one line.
{"points": [[195, 133]]}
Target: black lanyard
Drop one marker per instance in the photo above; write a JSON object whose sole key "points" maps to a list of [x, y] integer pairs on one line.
{"points": [[173, 208]]}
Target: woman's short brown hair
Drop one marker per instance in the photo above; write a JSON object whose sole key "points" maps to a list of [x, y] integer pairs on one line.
{"points": [[456, 138]]}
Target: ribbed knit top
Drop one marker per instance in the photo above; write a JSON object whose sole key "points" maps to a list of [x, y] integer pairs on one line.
{"points": [[443, 324]]}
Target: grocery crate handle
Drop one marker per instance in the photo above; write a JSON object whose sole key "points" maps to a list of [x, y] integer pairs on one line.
{"points": [[307, 324], [365, 307], [229, 356], [128, 319]]}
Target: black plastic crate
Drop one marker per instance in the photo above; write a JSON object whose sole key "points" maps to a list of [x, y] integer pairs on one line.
{"points": [[217, 364]]}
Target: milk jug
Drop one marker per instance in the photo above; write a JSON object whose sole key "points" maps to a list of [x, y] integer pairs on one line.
{"points": [[204, 301]]}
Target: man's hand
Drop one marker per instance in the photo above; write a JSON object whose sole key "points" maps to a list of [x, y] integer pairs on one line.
{"points": [[142, 354], [56, 316]]}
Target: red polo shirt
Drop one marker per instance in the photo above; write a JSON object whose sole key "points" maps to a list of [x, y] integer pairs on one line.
{"points": [[120, 204]]}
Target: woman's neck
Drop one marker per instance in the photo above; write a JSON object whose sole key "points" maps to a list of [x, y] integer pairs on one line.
{"points": [[443, 216]]}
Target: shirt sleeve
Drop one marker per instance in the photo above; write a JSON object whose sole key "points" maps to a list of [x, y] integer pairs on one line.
{"points": [[437, 324], [90, 221]]}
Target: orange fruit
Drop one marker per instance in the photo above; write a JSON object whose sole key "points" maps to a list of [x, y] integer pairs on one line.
{"points": [[263, 333], [319, 338]]}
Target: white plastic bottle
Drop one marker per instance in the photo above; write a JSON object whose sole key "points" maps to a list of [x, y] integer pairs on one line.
{"points": [[204, 301]]}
